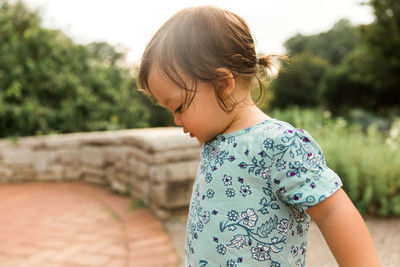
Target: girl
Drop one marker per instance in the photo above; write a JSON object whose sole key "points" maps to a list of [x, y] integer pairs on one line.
{"points": [[260, 179]]}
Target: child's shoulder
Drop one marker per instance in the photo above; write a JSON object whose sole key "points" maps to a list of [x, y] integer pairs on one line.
{"points": [[271, 132], [271, 129]]}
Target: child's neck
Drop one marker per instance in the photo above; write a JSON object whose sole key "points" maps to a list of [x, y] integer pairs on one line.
{"points": [[245, 116]]}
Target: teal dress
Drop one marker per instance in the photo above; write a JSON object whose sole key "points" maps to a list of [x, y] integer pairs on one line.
{"points": [[250, 195]]}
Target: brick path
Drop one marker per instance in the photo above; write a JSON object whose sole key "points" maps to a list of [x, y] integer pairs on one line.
{"points": [[78, 225]]}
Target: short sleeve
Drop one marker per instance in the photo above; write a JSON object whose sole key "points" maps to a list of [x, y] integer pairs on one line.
{"points": [[299, 172]]}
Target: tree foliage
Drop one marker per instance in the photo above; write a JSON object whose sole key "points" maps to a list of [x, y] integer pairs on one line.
{"points": [[368, 77], [311, 57], [332, 45], [298, 82], [363, 65], [382, 48], [50, 84]]}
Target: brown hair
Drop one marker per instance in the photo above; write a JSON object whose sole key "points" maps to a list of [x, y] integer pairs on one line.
{"points": [[198, 41]]}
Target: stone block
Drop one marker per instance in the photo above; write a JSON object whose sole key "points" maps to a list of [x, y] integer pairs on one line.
{"points": [[160, 139], [172, 194], [55, 173], [122, 176], [16, 155], [158, 157], [112, 174], [166, 214], [119, 186], [93, 175], [43, 159], [85, 168], [24, 174], [139, 187], [30, 142], [72, 172], [109, 173], [137, 167], [93, 156], [113, 153], [175, 171], [94, 179], [140, 154], [5, 173], [174, 155], [67, 155], [67, 141]]}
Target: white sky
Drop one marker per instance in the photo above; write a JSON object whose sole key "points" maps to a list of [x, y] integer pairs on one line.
{"points": [[131, 23]]}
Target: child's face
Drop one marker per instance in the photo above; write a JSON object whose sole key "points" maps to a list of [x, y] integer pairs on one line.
{"points": [[203, 119]]}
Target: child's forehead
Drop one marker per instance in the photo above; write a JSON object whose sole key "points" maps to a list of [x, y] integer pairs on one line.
{"points": [[157, 77], [169, 75], [162, 89]]}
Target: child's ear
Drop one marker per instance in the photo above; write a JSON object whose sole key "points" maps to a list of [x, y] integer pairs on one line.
{"points": [[225, 82]]}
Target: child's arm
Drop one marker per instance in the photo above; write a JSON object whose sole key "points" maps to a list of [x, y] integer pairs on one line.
{"points": [[345, 231]]}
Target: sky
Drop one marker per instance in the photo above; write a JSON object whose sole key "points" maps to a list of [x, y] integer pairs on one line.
{"points": [[130, 24]]}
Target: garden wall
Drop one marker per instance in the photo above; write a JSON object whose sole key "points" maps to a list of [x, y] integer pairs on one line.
{"points": [[157, 165]]}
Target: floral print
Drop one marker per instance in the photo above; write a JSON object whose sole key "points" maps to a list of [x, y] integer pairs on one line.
{"points": [[233, 215], [249, 218], [251, 194], [227, 180], [245, 190]]}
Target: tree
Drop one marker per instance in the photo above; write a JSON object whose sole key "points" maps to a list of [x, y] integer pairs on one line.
{"points": [[342, 88], [332, 45], [382, 40], [298, 83], [50, 84], [368, 77]]}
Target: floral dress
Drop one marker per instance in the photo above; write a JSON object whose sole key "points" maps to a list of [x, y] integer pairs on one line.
{"points": [[250, 195]]}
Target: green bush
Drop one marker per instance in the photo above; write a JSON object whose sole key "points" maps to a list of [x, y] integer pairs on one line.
{"points": [[367, 162], [298, 81], [49, 84]]}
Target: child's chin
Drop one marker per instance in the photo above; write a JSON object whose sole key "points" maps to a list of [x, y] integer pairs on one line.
{"points": [[201, 142]]}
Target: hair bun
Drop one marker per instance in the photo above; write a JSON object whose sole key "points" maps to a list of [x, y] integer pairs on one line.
{"points": [[265, 61], [268, 61]]}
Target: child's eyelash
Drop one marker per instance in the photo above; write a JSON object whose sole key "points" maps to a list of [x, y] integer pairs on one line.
{"points": [[179, 109]]}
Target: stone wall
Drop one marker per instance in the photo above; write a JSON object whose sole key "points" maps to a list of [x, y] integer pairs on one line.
{"points": [[157, 164]]}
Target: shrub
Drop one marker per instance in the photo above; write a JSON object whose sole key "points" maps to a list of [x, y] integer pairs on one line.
{"points": [[367, 162], [298, 82], [49, 84]]}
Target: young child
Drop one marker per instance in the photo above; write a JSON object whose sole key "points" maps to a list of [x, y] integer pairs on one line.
{"points": [[260, 179]]}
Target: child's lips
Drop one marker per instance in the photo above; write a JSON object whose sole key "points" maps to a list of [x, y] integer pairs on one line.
{"points": [[191, 135]]}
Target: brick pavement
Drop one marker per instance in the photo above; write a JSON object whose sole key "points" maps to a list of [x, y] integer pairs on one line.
{"points": [[78, 225]]}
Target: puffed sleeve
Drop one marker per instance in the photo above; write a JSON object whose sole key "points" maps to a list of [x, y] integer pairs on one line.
{"points": [[299, 172]]}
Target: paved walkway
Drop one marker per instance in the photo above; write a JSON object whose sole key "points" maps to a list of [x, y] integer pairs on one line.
{"points": [[78, 225], [384, 232]]}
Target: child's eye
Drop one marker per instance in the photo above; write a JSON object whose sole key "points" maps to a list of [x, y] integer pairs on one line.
{"points": [[179, 109]]}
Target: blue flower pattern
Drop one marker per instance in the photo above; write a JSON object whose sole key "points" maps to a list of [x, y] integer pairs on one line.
{"points": [[251, 192]]}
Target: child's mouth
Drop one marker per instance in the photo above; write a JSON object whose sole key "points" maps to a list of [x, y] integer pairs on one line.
{"points": [[191, 135]]}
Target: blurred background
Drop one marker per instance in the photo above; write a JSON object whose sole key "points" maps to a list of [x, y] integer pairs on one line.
{"points": [[70, 66]]}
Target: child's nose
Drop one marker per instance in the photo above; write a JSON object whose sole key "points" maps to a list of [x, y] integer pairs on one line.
{"points": [[177, 121]]}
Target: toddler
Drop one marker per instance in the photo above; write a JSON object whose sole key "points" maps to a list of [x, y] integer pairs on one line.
{"points": [[260, 179]]}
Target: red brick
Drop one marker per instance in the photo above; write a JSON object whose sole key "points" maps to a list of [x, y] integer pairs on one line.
{"points": [[154, 261], [117, 262], [70, 225], [89, 259], [115, 250]]}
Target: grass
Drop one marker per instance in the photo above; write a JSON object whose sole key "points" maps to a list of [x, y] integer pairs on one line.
{"points": [[368, 162]]}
